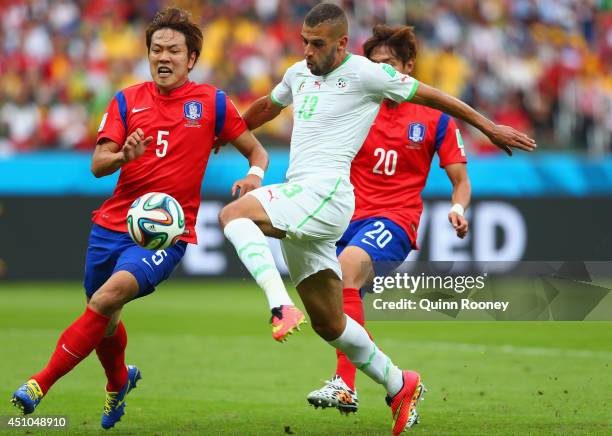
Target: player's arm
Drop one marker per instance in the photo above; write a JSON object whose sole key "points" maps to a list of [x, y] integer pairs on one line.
{"points": [[108, 156], [462, 193], [263, 110], [504, 137], [381, 80], [258, 159], [258, 114], [235, 130]]}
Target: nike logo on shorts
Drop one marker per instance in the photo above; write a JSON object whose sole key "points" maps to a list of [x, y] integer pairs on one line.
{"points": [[365, 241]]}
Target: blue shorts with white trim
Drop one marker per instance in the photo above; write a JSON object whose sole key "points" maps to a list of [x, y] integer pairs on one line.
{"points": [[109, 251], [386, 242]]}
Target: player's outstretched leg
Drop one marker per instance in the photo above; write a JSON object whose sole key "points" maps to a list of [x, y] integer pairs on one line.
{"points": [[404, 388], [321, 296], [254, 252], [114, 406], [74, 345], [79, 339], [339, 391]]}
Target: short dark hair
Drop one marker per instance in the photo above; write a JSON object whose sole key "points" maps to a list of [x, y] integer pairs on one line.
{"points": [[401, 41], [326, 12], [179, 20]]}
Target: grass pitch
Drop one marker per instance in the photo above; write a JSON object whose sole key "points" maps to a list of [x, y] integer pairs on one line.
{"points": [[210, 366]]}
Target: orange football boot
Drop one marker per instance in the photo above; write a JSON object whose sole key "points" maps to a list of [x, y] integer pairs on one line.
{"points": [[404, 403], [285, 320]]}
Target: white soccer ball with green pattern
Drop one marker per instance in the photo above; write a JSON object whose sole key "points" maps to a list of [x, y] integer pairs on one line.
{"points": [[155, 221]]}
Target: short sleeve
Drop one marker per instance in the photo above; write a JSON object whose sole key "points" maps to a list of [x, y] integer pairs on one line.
{"points": [[113, 125], [383, 81], [282, 95], [448, 142], [229, 122]]}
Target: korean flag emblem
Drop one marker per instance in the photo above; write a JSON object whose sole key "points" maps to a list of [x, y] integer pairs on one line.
{"points": [[192, 110], [416, 132]]}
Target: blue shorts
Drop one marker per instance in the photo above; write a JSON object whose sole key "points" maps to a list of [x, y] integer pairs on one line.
{"points": [[110, 251], [386, 242]]}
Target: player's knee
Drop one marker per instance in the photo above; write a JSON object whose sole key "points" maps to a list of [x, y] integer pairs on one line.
{"points": [[108, 300], [328, 329], [229, 213], [352, 280], [223, 217], [355, 272]]}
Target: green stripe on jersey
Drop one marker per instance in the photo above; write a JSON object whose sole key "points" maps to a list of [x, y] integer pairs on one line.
{"points": [[323, 203], [413, 91], [275, 101]]}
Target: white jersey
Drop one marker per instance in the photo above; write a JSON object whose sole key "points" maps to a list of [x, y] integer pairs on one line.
{"points": [[332, 114]]}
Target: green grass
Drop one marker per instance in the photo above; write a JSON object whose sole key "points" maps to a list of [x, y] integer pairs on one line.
{"points": [[210, 367]]}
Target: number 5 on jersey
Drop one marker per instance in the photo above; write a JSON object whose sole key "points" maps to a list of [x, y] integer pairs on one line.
{"points": [[161, 152]]}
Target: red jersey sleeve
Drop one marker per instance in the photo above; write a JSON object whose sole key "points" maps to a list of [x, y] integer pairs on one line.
{"points": [[113, 124], [449, 143], [229, 124]]}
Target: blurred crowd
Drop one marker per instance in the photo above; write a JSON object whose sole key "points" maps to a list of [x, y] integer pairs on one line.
{"points": [[542, 66]]}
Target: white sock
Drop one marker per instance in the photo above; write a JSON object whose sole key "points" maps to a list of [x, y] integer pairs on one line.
{"points": [[355, 343], [254, 252]]}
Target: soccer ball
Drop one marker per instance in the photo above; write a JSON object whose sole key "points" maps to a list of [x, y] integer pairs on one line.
{"points": [[155, 221]]}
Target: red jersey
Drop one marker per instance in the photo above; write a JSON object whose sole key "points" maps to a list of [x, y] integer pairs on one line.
{"points": [[184, 125], [390, 170]]}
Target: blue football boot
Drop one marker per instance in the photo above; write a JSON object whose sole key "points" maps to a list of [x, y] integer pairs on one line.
{"points": [[27, 397], [114, 406]]}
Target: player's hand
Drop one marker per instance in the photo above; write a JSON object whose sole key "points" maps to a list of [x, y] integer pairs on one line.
{"points": [[135, 145], [459, 223], [507, 138], [241, 187]]}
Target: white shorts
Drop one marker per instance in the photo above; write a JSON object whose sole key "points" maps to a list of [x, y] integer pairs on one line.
{"points": [[314, 213]]}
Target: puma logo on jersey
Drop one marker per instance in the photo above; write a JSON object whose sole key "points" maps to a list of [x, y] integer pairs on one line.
{"points": [[272, 196], [140, 109]]}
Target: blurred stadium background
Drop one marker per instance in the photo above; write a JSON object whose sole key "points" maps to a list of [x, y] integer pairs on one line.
{"points": [[542, 66]]}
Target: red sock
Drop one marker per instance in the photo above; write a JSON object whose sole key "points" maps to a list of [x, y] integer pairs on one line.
{"points": [[74, 345], [353, 307], [111, 352]]}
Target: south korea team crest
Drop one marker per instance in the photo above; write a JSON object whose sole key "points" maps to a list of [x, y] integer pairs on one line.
{"points": [[416, 132], [192, 110]]}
